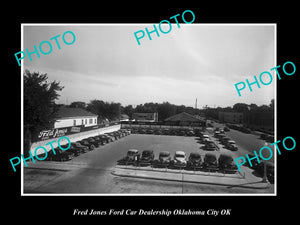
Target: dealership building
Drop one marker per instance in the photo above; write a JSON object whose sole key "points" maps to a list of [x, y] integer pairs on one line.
{"points": [[69, 117]]}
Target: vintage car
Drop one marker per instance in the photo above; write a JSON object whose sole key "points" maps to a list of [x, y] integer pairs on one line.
{"points": [[163, 160], [147, 158], [210, 162], [231, 145], [87, 143], [179, 160], [112, 136], [61, 155], [101, 141], [93, 141], [224, 140], [194, 161], [211, 146], [79, 147], [132, 157], [226, 163]]}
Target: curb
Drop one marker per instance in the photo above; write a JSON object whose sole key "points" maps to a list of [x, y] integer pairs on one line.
{"points": [[253, 185]]}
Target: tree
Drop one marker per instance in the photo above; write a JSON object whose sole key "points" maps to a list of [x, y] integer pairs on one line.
{"points": [[39, 104], [78, 104], [240, 107], [272, 103], [128, 110]]}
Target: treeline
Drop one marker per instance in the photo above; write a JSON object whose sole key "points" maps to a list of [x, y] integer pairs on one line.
{"points": [[244, 108], [113, 111]]}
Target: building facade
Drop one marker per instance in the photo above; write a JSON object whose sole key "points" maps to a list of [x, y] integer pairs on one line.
{"points": [[145, 117], [69, 117], [231, 117]]}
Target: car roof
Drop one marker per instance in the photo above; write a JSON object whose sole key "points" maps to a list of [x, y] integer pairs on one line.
{"points": [[225, 155], [147, 150], [179, 153], [164, 153], [210, 154], [133, 150]]}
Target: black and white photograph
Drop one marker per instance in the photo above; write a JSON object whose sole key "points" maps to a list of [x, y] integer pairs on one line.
{"points": [[145, 112], [173, 109]]}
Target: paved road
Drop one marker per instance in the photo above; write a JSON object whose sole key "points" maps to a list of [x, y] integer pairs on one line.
{"points": [[91, 172], [247, 143]]}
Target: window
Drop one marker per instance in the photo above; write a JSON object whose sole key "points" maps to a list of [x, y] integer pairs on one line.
{"points": [[82, 122], [74, 122], [95, 121], [85, 121], [91, 121]]}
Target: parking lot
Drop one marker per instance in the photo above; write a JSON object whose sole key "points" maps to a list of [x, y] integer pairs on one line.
{"points": [[97, 172]]}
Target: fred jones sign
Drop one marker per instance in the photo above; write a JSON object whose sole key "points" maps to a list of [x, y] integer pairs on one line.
{"points": [[59, 132]]}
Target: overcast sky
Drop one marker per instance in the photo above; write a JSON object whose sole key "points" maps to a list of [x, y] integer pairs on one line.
{"points": [[193, 61]]}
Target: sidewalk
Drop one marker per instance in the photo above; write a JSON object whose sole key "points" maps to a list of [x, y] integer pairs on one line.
{"points": [[234, 180]]}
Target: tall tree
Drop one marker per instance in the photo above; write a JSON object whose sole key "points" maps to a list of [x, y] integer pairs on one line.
{"points": [[39, 104], [78, 104]]}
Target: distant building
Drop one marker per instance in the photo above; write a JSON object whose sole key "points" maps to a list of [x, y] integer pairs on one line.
{"points": [[69, 117], [185, 119], [145, 117], [231, 117]]}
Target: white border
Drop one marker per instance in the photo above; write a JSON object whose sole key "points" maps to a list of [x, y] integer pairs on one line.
{"points": [[151, 194]]}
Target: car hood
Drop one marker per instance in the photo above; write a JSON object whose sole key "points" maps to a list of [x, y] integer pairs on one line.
{"points": [[162, 158], [179, 159]]}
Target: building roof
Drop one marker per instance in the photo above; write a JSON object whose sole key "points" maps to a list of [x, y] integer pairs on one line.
{"points": [[66, 112], [184, 117]]}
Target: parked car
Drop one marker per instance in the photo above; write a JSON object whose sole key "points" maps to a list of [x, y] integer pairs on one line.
{"points": [[108, 138], [194, 161], [216, 134], [101, 141], [231, 145], [211, 146], [226, 129], [117, 134], [72, 149], [210, 162], [147, 158], [87, 143], [165, 131], [62, 155], [80, 147], [163, 160], [179, 160], [93, 141], [190, 133], [224, 140], [132, 157], [226, 163], [112, 136], [158, 132]]}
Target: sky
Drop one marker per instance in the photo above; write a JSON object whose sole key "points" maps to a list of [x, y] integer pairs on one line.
{"points": [[201, 61]]}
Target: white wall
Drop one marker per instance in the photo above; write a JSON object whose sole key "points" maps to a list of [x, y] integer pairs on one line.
{"points": [[70, 122]]}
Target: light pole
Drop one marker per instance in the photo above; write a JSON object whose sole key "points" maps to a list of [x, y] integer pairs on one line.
{"points": [[265, 179]]}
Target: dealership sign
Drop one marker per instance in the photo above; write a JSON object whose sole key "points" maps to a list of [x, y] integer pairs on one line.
{"points": [[47, 134]]}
